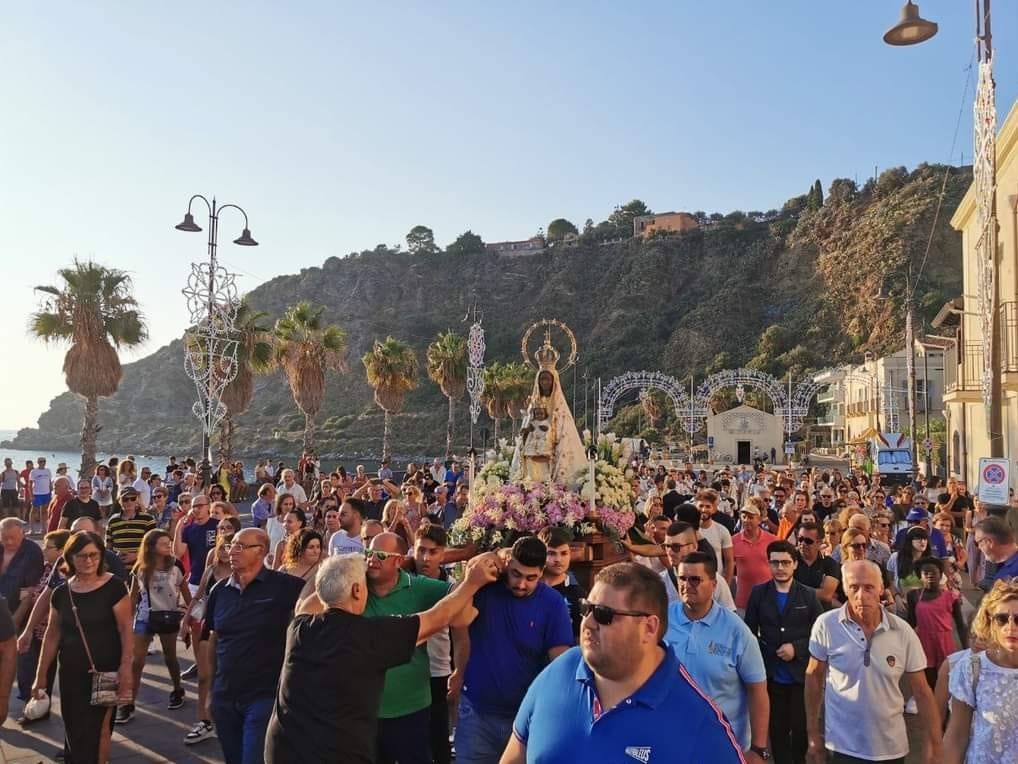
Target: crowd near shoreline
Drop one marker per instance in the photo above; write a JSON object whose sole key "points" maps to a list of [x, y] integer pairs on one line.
{"points": [[763, 614]]}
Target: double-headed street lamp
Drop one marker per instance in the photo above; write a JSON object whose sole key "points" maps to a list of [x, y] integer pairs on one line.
{"points": [[210, 357]]}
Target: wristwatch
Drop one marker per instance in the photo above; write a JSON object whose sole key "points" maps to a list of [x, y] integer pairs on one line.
{"points": [[761, 751]]}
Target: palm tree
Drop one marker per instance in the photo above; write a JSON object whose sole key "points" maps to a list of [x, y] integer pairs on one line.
{"points": [[391, 368], [254, 356], [447, 367], [518, 385], [494, 395], [95, 310], [305, 348]]}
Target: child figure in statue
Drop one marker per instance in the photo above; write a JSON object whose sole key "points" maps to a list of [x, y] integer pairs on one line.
{"points": [[538, 444]]}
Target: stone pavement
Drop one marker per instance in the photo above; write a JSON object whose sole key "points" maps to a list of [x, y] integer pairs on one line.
{"points": [[153, 735]]}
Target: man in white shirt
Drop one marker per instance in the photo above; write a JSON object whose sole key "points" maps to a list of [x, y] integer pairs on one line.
{"points": [[715, 533], [348, 538], [858, 654], [41, 483], [143, 488], [291, 487]]}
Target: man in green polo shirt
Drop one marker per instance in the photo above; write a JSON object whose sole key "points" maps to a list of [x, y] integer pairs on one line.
{"points": [[404, 715]]}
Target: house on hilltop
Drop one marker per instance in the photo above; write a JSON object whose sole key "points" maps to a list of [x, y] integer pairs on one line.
{"points": [[531, 246], [673, 222]]}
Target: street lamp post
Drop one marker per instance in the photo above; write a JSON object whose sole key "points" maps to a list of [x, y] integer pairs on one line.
{"points": [[211, 350], [912, 29]]}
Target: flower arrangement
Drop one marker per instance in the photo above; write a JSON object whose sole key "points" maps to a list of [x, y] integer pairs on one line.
{"points": [[500, 511]]}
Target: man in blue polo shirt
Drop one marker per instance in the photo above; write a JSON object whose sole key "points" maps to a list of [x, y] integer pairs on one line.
{"points": [[720, 652], [517, 625], [246, 618], [997, 543], [657, 713]]}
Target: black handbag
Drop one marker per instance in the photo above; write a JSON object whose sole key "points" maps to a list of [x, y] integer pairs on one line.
{"points": [[163, 621]]}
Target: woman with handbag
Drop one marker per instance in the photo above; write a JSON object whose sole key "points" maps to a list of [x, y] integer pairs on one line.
{"points": [[89, 630], [158, 582]]}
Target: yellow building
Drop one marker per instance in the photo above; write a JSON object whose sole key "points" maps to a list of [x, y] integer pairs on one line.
{"points": [[966, 413]]}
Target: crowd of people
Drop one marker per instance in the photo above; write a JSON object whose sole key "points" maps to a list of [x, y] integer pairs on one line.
{"points": [[764, 614]]}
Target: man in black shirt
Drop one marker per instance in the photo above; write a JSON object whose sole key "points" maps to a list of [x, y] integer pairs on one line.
{"points": [[82, 505], [557, 575], [326, 707], [814, 569]]}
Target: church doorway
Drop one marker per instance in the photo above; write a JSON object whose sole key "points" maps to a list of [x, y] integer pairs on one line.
{"points": [[744, 456]]}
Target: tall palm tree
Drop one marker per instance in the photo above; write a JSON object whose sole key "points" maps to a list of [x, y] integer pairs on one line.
{"points": [[447, 367], [254, 356], [95, 310], [391, 368], [306, 348]]}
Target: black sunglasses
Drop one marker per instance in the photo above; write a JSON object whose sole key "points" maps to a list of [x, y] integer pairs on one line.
{"points": [[604, 615], [693, 581], [858, 546], [1001, 619], [805, 540]]}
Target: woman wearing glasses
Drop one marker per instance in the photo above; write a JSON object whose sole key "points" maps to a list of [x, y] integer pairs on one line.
{"points": [[984, 718], [89, 627]]}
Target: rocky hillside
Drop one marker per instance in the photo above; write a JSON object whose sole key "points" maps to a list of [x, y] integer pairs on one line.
{"points": [[787, 290]]}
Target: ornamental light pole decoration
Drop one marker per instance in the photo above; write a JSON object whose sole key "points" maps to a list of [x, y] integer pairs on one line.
{"points": [[210, 355]]}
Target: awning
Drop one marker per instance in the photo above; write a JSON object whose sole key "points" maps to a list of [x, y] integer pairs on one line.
{"points": [[862, 439]]}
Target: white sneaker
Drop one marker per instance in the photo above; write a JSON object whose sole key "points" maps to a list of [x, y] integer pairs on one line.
{"points": [[201, 730], [911, 707]]}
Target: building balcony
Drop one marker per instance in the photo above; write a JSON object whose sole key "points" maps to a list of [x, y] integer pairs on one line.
{"points": [[963, 369], [830, 420], [826, 396]]}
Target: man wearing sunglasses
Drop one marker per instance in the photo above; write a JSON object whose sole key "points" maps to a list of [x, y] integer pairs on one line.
{"points": [[859, 654], [680, 541], [720, 652], [816, 570], [517, 626], [621, 695]]}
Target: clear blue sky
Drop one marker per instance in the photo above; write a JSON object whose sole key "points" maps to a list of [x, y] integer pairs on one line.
{"points": [[341, 125]]}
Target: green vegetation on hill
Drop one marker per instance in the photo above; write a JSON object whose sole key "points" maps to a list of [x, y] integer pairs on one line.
{"points": [[785, 290]]}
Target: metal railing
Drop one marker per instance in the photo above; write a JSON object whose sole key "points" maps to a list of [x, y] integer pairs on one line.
{"points": [[1008, 316], [963, 367]]}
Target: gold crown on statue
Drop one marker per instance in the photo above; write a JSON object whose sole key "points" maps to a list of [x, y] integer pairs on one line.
{"points": [[546, 355]]}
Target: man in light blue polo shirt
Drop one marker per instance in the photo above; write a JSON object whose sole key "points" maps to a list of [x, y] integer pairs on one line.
{"points": [[720, 652], [622, 696]]}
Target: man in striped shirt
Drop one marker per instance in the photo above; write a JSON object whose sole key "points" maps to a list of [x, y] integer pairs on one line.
{"points": [[127, 527]]}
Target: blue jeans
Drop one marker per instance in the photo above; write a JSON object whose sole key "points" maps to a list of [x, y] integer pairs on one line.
{"points": [[241, 727], [480, 738]]}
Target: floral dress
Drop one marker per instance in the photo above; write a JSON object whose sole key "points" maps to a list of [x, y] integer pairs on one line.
{"points": [[994, 733]]}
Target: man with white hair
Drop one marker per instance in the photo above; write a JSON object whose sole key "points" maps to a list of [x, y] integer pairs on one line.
{"points": [[21, 567], [291, 487], [327, 704], [859, 654]]}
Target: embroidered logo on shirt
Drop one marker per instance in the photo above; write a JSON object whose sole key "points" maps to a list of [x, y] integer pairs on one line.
{"points": [[713, 648], [891, 661], [640, 753]]}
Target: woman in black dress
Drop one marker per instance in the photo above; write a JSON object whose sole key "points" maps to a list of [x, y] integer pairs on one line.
{"points": [[104, 610]]}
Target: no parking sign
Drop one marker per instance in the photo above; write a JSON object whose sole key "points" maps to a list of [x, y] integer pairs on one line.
{"points": [[994, 479]]}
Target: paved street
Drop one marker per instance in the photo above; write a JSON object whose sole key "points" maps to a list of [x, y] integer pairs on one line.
{"points": [[153, 735]]}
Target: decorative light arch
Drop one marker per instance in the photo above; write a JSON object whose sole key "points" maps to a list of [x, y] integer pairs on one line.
{"points": [[740, 379], [642, 380]]}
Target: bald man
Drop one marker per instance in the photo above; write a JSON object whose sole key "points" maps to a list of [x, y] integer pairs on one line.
{"points": [[246, 618], [858, 656]]}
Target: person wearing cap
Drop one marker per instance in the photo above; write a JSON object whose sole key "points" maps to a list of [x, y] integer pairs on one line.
{"points": [[127, 527], [918, 516], [749, 547], [385, 470]]}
